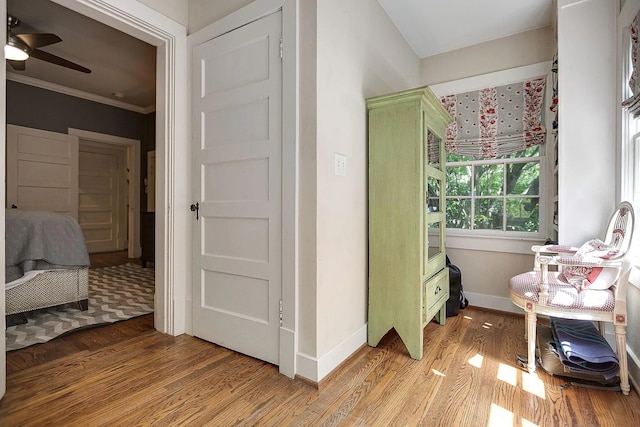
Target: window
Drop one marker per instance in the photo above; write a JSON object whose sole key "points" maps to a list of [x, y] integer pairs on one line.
{"points": [[630, 123], [500, 194], [488, 208]]}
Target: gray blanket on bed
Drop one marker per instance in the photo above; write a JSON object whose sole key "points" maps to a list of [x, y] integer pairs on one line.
{"points": [[39, 240]]}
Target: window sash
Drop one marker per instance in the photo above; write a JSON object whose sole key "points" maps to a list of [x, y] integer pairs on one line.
{"points": [[541, 196]]}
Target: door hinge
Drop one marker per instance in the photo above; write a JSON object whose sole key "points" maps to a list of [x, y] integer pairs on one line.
{"points": [[280, 312], [281, 48]]}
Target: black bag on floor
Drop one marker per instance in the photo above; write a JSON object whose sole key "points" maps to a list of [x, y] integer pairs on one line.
{"points": [[456, 299]]}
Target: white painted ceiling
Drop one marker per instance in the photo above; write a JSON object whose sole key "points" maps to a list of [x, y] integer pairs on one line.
{"points": [[123, 64], [436, 26]]}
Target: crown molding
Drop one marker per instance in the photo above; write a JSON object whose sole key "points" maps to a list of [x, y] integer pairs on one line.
{"points": [[78, 93]]}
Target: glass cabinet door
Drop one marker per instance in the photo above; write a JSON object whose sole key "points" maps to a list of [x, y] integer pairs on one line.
{"points": [[434, 218]]}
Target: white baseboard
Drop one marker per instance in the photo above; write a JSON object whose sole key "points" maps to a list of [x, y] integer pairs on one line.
{"points": [[492, 302], [188, 317], [315, 369], [634, 368]]}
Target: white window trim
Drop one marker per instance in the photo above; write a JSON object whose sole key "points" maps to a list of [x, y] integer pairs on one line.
{"points": [[513, 245]]}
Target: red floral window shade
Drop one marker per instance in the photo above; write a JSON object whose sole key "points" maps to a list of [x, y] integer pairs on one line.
{"points": [[496, 121], [633, 103]]}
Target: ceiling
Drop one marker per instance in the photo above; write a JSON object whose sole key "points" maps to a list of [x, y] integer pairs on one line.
{"points": [[432, 27], [124, 65], [119, 63]]}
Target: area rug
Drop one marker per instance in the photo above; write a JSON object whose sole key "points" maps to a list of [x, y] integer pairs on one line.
{"points": [[115, 293]]}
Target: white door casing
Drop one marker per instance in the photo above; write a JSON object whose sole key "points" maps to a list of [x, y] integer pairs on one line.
{"points": [[102, 196], [42, 170], [3, 115], [237, 132]]}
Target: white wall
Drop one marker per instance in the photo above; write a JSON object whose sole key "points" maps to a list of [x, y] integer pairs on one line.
{"points": [[360, 54], [501, 54], [586, 118], [307, 182], [633, 333], [174, 9], [204, 12]]}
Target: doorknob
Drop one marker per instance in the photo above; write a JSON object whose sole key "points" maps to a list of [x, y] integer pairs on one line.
{"points": [[195, 207]]}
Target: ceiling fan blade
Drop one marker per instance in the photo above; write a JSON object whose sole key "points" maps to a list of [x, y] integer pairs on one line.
{"points": [[48, 57], [18, 65], [37, 40]]}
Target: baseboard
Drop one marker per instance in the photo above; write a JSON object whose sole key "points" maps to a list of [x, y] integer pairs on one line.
{"points": [[634, 368], [492, 302], [315, 369], [188, 317]]}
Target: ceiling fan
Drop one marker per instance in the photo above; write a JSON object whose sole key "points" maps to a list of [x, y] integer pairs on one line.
{"points": [[20, 47]]}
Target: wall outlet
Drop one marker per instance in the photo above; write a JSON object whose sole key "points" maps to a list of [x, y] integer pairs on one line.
{"points": [[340, 164]]}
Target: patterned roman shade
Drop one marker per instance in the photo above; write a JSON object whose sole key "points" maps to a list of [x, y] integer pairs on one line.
{"points": [[633, 102], [496, 121]]}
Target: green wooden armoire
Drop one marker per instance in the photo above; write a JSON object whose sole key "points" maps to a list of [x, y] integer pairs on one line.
{"points": [[408, 279]]}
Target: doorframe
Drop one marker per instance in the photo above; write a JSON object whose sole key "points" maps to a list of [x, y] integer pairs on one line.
{"points": [[173, 249], [132, 158], [3, 173], [290, 128]]}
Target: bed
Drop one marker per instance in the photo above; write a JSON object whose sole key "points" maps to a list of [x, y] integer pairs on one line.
{"points": [[46, 263]]}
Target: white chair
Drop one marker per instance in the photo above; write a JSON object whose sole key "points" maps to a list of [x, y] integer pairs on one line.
{"points": [[548, 293]]}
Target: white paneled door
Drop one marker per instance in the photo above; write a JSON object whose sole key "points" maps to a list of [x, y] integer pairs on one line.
{"points": [[237, 128], [102, 209], [42, 170]]}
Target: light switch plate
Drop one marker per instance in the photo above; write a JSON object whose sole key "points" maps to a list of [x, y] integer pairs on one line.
{"points": [[340, 164]]}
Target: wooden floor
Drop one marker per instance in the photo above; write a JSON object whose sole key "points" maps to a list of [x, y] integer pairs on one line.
{"points": [[127, 374]]}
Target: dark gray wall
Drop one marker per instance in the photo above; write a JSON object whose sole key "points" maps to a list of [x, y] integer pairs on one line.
{"points": [[37, 108]]}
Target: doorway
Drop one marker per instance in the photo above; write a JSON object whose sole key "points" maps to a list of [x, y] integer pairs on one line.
{"points": [[170, 39], [131, 150]]}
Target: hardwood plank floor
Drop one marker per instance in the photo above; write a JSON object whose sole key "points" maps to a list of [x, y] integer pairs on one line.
{"points": [[134, 375]]}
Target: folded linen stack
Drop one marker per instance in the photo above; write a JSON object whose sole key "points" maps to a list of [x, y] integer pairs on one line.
{"points": [[581, 348]]}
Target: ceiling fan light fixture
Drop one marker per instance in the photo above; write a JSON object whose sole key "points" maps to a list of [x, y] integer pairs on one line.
{"points": [[15, 51]]}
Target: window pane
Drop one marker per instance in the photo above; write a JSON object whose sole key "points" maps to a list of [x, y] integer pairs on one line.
{"points": [[459, 213], [433, 149], [489, 180], [458, 158], [488, 214], [523, 178], [523, 214], [458, 180], [487, 195], [533, 151], [433, 194], [434, 248]]}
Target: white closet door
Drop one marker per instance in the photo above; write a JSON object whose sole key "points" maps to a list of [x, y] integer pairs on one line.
{"points": [[237, 103], [102, 197], [42, 170]]}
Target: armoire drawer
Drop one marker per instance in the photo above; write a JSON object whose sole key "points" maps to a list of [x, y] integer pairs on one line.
{"points": [[435, 294]]}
